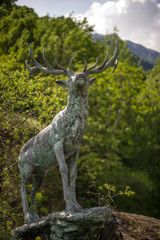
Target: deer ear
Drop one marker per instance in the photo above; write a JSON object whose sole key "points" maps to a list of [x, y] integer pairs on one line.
{"points": [[62, 83], [91, 80]]}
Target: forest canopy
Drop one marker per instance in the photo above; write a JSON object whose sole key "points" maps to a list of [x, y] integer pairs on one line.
{"points": [[121, 146]]}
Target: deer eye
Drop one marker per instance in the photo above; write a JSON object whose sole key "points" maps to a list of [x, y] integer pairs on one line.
{"points": [[62, 83], [91, 80]]}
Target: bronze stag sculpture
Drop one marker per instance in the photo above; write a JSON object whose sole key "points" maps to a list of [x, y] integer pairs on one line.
{"points": [[60, 141]]}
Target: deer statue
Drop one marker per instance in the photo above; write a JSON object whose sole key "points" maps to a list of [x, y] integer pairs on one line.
{"points": [[59, 142]]}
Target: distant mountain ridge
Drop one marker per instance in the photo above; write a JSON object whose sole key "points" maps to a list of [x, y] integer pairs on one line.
{"points": [[147, 57]]}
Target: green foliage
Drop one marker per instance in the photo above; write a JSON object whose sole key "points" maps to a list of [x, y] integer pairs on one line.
{"points": [[107, 193], [23, 100], [65, 37], [121, 146], [16, 31], [117, 151], [6, 6], [61, 36]]}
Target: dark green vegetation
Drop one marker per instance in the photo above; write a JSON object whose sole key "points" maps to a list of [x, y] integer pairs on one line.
{"points": [[121, 146]]}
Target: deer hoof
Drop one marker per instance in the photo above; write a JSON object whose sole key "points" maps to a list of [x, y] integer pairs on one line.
{"points": [[35, 217], [74, 208], [77, 207], [29, 218]]}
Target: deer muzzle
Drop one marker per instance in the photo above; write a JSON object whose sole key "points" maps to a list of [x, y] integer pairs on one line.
{"points": [[80, 81]]}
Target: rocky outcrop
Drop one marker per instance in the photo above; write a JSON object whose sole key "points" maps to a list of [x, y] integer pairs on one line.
{"points": [[88, 224]]}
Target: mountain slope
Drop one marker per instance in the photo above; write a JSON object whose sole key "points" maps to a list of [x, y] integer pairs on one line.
{"points": [[147, 57]]}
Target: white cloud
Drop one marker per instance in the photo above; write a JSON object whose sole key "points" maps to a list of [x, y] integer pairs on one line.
{"points": [[137, 20]]}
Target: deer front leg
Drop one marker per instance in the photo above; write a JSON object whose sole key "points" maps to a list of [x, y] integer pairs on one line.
{"points": [[58, 150], [73, 176]]}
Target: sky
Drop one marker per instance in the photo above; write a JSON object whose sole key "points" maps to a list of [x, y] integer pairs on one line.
{"points": [[136, 20]]}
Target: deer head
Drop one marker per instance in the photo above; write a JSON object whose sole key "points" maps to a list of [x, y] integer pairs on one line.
{"points": [[77, 82]]}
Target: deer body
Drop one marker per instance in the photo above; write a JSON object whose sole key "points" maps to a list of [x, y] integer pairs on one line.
{"points": [[59, 142], [67, 126]]}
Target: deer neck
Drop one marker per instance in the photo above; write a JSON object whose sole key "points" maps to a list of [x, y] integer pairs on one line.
{"points": [[77, 105]]}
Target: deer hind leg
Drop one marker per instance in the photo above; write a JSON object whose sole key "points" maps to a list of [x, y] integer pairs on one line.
{"points": [[25, 172], [26, 210], [37, 182]]}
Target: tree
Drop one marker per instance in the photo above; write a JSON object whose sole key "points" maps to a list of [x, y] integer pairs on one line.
{"points": [[16, 31], [62, 36], [6, 7], [8, 3], [113, 139]]}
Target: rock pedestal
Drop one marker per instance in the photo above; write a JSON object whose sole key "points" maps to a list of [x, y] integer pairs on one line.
{"points": [[84, 225]]}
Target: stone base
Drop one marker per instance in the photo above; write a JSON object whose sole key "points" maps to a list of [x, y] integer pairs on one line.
{"points": [[84, 225]]}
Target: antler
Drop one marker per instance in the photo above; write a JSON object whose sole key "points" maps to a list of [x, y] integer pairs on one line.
{"points": [[47, 68], [113, 62]]}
